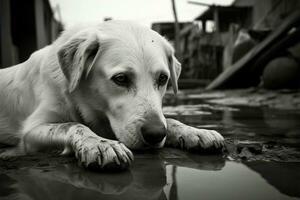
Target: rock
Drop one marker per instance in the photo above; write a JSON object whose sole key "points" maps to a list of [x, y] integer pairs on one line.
{"points": [[245, 154], [281, 73], [253, 147]]}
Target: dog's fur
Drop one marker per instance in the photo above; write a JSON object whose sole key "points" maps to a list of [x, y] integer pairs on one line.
{"points": [[65, 97]]}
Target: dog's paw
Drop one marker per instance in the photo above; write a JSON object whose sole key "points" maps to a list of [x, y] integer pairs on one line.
{"points": [[199, 139], [9, 153], [100, 153]]}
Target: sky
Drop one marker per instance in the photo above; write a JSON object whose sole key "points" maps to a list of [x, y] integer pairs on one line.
{"points": [[142, 11]]}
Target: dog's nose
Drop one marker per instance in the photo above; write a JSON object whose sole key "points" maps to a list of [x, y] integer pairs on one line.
{"points": [[153, 133]]}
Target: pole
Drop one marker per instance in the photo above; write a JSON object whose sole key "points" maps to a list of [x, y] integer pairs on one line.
{"points": [[176, 31]]}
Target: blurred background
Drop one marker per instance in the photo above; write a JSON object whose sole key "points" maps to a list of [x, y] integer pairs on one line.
{"points": [[220, 43]]}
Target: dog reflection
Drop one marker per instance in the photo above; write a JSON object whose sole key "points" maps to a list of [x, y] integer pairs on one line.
{"points": [[147, 179]]}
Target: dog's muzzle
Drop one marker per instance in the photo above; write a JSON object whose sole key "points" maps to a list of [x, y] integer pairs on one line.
{"points": [[153, 132]]}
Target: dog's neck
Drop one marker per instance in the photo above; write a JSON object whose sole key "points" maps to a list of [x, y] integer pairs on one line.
{"points": [[97, 122]]}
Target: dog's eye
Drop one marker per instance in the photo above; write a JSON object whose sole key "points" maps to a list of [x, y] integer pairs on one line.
{"points": [[121, 80], [162, 79]]}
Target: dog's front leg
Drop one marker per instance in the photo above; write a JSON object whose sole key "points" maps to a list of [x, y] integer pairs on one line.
{"points": [[74, 137], [186, 137]]}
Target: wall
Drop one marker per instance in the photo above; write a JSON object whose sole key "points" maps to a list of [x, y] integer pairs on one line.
{"points": [[25, 26], [268, 14]]}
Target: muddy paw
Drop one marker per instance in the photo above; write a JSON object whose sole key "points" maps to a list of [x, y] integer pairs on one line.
{"points": [[100, 153], [200, 139], [10, 153]]}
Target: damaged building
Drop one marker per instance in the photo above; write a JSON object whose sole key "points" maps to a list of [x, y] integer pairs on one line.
{"points": [[222, 36]]}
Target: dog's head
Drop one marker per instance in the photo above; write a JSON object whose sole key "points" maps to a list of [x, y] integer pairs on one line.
{"points": [[121, 69]]}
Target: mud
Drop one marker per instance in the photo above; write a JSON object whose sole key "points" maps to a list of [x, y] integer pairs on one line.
{"points": [[284, 99]]}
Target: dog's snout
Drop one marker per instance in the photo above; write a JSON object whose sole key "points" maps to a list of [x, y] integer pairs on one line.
{"points": [[153, 132]]}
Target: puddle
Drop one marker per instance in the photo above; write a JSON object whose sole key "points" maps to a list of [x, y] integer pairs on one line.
{"points": [[234, 181], [282, 126], [157, 177], [174, 174]]}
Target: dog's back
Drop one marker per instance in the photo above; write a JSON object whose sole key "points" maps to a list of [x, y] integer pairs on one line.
{"points": [[18, 86], [22, 87]]}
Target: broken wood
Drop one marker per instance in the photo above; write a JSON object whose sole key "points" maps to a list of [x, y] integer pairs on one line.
{"points": [[241, 74]]}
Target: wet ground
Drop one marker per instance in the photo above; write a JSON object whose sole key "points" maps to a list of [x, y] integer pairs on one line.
{"points": [[262, 161]]}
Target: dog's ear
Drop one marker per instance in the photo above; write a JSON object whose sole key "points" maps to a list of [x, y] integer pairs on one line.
{"points": [[175, 70], [173, 63], [74, 57]]}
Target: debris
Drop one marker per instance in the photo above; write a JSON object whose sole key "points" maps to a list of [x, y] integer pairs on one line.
{"points": [[280, 73], [244, 150], [252, 147], [247, 71]]}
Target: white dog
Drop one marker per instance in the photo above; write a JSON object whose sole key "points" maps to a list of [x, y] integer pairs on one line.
{"points": [[96, 91]]}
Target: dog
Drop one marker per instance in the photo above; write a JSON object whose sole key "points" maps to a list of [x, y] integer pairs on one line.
{"points": [[96, 92]]}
